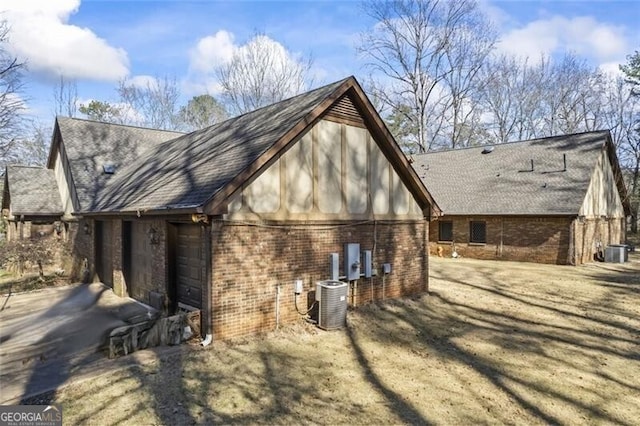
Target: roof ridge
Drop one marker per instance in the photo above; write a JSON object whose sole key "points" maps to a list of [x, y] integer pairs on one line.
{"points": [[512, 142], [131, 126], [25, 166]]}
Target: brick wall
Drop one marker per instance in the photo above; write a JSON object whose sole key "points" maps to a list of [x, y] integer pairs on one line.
{"points": [[119, 284], [528, 239], [250, 262], [80, 244]]}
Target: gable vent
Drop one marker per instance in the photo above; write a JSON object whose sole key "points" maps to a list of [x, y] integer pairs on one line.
{"points": [[344, 111]]}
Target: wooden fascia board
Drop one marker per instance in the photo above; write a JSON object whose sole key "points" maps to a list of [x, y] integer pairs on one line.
{"points": [[393, 151], [55, 141], [216, 203]]}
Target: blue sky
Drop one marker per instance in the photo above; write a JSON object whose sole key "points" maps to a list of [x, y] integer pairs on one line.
{"points": [[98, 42]]}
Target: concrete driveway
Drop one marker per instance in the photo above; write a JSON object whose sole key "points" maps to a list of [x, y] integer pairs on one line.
{"points": [[45, 335]]}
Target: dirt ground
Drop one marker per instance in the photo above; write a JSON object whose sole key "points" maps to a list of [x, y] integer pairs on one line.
{"points": [[493, 342]]}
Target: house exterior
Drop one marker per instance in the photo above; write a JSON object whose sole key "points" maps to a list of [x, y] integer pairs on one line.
{"points": [[31, 205], [227, 219], [557, 200]]}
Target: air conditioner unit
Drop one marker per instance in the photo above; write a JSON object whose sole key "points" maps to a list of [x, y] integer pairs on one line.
{"points": [[616, 253], [332, 300]]}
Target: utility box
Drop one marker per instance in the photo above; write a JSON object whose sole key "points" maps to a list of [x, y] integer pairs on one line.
{"points": [[332, 304], [616, 253], [334, 268], [352, 261], [368, 263]]}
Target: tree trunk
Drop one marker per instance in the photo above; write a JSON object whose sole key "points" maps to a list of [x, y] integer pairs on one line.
{"points": [[635, 204]]}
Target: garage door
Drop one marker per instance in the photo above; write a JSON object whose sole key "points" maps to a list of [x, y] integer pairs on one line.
{"points": [[190, 266]]}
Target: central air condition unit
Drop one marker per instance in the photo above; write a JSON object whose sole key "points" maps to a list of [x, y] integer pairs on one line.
{"points": [[332, 299], [616, 253]]}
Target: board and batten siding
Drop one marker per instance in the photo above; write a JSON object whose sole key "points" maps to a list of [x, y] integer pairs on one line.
{"points": [[62, 176], [334, 171], [603, 198]]}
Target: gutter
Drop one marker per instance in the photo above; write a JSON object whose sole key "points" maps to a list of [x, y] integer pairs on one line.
{"points": [[197, 209]]}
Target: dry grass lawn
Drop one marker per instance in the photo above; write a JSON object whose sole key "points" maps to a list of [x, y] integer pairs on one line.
{"points": [[493, 342]]}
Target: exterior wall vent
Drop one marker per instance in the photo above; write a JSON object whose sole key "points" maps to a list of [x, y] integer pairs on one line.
{"points": [[332, 300]]}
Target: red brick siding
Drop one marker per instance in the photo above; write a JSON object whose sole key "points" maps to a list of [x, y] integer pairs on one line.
{"points": [[528, 239], [81, 246], [250, 262]]}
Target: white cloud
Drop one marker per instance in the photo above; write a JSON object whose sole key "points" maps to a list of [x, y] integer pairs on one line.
{"points": [[583, 35], [495, 14], [142, 81], [611, 68], [41, 35], [211, 51]]}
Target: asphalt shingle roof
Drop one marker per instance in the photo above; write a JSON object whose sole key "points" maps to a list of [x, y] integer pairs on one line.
{"points": [[468, 182], [90, 145], [188, 171], [33, 191]]}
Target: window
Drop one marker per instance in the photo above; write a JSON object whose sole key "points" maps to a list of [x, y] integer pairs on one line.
{"points": [[445, 231], [477, 232]]}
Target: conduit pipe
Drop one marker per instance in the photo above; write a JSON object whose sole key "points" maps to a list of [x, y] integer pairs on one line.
{"points": [[207, 340]]}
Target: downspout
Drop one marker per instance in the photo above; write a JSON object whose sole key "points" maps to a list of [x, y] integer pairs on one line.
{"points": [[206, 312], [501, 235]]}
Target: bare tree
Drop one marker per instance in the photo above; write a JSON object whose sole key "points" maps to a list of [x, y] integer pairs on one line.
{"points": [[153, 104], [571, 93], [521, 100], [411, 47], [260, 73], [65, 97], [11, 105], [32, 149], [466, 52], [630, 146]]}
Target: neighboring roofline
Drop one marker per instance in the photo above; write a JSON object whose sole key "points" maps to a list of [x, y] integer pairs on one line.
{"points": [[131, 126], [6, 191], [511, 142], [409, 177], [104, 123], [607, 147]]}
